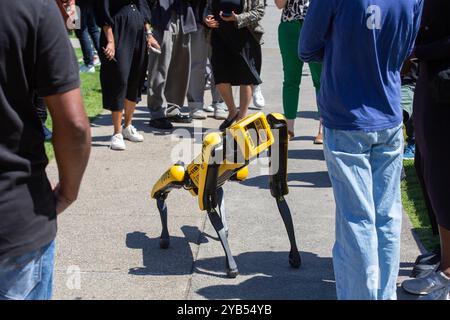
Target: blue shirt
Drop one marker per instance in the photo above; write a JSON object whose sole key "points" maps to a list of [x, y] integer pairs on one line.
{"points": [[362, 44]]}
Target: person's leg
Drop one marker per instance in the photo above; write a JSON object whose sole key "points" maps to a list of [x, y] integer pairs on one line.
{"points": [[355, 252], [44, 290], [196, 89], [445, 250], [92, 27], [387, 161], [292, 67], [226, 92], [407, 106], [130, 106], [179, 70], [316, 73], [158, 67], [245, 98], [117, 121], [29, 276], [83, 36], [419, 167]]}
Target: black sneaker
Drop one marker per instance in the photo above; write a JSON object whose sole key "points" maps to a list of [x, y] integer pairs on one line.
{"points": [[179, 118], [162, 124], [426, 264]]}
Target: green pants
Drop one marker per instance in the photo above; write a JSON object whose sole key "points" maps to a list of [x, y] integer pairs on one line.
{"points": [[288, 38]]}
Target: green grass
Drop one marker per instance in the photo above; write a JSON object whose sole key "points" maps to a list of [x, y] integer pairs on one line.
{"points": [[414, 205], [92, 97]]}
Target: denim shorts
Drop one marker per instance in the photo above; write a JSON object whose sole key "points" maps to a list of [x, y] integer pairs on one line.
{"points": [[29, 276]]}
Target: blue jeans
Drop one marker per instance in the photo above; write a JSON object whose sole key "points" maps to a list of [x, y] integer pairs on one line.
{"points": [[364, 169], [28, 277], [88, 27]]}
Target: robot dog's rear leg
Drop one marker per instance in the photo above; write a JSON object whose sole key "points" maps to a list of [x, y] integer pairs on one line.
{"points": [[222, 212], [216, 221], [164, 241], [294, 257]]}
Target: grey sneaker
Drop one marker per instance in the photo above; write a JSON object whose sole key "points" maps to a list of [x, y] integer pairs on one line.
{"points": [[198, 114], [440, 294], [427, 285], [220, 111]]}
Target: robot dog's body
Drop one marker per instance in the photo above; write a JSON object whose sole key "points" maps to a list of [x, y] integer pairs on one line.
{"points": [[224, 157]]}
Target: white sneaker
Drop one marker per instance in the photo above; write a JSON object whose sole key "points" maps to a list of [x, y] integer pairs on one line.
{"points": [[198, 114], [130, 133], [208, 108], [87, 69], [97, 62], [220, 111], [258, 98], [117, 142]]}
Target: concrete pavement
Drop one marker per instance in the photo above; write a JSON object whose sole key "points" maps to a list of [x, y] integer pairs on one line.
{"points": [[111, 234]]}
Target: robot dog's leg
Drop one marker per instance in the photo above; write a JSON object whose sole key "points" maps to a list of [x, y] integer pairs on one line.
{"points": [[294, 257], [222, 212], [164, 241], [216, 221]]}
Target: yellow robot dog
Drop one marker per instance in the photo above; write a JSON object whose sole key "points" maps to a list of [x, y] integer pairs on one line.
{"points": [[224, 157]]}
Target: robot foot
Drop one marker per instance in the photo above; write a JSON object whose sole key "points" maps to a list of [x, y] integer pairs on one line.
{"points": [[232, 273], [294, 259], [164, 243]]}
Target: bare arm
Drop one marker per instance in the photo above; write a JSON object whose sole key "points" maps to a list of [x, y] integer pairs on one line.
{"points": [[281, 4], [71, 141], [110, 50]]}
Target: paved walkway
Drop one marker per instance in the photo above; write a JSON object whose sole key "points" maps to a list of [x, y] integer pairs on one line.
{"points": [[111, 234]]}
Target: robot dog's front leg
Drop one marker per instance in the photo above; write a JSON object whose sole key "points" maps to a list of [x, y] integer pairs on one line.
{"points": [[221, 206], [164, 240], [174, 178]]}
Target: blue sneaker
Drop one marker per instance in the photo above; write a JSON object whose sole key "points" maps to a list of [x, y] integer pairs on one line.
{"points": [[410, 151], [47, 133]]}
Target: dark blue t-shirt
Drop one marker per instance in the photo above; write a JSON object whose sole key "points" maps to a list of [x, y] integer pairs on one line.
{"points": [[362, 44]]}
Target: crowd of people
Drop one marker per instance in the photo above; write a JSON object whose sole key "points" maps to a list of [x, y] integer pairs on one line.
{"points": [[377, 66]]}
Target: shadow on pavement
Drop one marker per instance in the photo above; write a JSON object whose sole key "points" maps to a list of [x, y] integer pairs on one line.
{"points": [[308, 115], [273, 277], [306, 154], [318, 179]]}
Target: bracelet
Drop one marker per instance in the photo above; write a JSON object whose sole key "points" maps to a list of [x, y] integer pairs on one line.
{"points": [[149, 33]]}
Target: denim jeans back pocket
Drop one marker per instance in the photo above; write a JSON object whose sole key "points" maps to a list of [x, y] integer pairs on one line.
{"points": [[351, 142], [20, 275]]}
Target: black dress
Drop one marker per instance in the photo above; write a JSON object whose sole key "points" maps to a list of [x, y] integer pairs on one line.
{"points": [[432, 119], [236, 55], [122, 79]]}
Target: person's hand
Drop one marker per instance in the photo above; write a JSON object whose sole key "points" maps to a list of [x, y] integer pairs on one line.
{"points": [[110, 51], [211, 22], [232, 18], [152, 43], [62, 202]]}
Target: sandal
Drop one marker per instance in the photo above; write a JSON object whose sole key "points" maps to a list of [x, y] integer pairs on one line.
{"points": [[228, 122], [318, 139], [291, 135]]}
